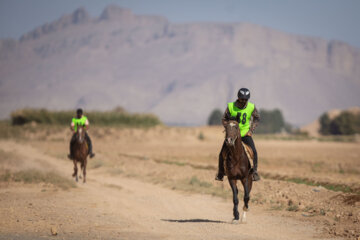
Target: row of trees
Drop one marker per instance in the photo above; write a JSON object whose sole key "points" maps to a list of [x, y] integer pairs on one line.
{"points": [[272, 121], [346, 123], [116, 117]]}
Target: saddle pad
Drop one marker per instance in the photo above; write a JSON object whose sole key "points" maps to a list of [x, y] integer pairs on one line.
{"points": [[248, 151]]}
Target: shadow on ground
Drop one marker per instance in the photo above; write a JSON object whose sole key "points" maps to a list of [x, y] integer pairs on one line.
{"points": [[192, 220]]}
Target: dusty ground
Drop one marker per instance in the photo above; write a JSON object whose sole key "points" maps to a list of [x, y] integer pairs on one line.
{"points": [[158, 184]]}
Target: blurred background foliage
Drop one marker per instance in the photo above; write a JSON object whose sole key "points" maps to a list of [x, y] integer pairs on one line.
{"points": [[346, 123], [116, 117]]}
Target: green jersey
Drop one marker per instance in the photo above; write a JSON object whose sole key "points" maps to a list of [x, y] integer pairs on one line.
{"points": [[243, 115], [79, 122]]}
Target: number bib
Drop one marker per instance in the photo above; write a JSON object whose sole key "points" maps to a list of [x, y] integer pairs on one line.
{"points": [[79, 122], [243, 116]]}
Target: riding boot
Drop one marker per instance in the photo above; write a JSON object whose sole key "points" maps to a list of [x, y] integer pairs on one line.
{"points": [[71, 156], [256, 176], [249, 141], [88, 140], [220, 174]]}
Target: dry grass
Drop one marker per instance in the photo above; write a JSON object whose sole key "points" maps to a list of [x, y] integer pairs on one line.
{"points": [[95, 163], [36, 176], [330, 186], [113, 186], [9, 158], [292, 208], [30, 132], [304, 162], [176, 158], [195, 185], [276, 207]]}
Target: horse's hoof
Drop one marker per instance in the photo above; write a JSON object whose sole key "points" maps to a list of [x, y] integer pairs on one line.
{"points": [[235, 221], [245, 209]]}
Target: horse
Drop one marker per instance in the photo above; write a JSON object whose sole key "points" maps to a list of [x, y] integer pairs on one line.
{"points": [[237, 167], [80, 152]]}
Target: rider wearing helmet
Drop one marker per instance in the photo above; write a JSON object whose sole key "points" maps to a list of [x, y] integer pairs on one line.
{"points": [[80, 120], [248, 117]]}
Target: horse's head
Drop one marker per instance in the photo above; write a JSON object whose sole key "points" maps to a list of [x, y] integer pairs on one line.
{"points": [[80, 134], [232, 132]]}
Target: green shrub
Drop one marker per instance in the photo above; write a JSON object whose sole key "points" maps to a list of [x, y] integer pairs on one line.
{"points": [[345, 123], [271, 121], [292, 208], [215, 117], [201, 136], [324, 124]]}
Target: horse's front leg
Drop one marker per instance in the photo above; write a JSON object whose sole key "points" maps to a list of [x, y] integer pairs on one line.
{"points": [[75, 170], [84, 170], [235, 198], [245, 182]]}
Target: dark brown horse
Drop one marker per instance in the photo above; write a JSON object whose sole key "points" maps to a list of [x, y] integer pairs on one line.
{"points": [[237, 166], [80, 152]]}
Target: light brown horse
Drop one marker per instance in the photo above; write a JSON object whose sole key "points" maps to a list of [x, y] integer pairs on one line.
{"points": [[80, 152], [237, 166]]}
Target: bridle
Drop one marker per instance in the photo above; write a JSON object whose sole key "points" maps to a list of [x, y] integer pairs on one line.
{"points": [[232, 125]]}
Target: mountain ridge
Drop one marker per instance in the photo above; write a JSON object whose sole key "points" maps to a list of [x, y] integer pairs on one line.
{"points": [[146, 63]]}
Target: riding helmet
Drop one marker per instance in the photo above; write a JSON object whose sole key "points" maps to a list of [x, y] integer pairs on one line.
{"points": [[79, 111], [244, 93]]}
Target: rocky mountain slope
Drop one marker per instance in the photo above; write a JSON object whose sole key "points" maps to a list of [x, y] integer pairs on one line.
{"points": [[180, 72]]}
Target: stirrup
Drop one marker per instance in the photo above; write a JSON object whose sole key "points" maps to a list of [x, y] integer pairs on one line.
{"points": [[92, 155]]}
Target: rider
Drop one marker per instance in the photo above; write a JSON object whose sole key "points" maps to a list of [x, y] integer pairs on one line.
{"points": [[83, 121], [242, 110]]}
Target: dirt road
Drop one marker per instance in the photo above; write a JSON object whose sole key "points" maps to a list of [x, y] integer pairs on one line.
{"points": [[118, 207]]}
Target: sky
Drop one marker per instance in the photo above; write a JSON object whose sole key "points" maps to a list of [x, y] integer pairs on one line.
{"points": [[327, 19]]}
